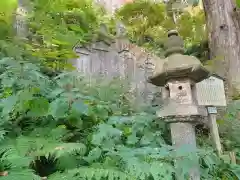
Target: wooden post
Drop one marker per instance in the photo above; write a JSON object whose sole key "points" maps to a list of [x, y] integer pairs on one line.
{"points": [[232, 158], [212, 114]]}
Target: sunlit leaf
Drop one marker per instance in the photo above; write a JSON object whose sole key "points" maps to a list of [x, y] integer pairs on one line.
{"points": [[238, 3], [93, 155], [38, 107], [59, 108], [80, 107], [8, 104]]}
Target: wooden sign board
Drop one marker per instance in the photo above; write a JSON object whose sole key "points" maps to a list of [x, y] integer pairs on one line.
{"points": [[210, 92]]}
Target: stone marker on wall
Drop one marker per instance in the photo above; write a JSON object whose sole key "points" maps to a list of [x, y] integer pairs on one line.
{"points": [[20, 24], [178, 75], [118, 59]]}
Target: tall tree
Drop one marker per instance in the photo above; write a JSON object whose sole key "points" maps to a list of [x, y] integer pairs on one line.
{"points": [[223, 25]]}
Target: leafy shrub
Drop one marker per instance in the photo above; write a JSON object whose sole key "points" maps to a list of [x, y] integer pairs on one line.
{"points": [[69, 127], [74, 127], [54, 28], [148, 21], [64, 117]]}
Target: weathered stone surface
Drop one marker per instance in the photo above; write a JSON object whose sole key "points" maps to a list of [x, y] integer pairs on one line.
{"points": [[21, 19], [178, 75], [176, 65], [180, 91], [173, 109], [179, 66], [183, 136], [174, 44], [179, 100], [119, 59]]}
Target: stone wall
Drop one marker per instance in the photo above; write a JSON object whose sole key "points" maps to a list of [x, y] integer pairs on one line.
{"points": [[119, 59]]}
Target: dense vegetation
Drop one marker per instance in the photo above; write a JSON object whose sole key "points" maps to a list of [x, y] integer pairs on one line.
{"points": [[63, 127], [147, 23]]}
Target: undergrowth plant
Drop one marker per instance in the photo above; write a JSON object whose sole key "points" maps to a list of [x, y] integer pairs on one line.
{"points": [[75, 127], [147, 23], [52, 30], [84, 130]]}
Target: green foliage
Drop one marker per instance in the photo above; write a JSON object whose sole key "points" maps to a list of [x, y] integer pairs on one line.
{"points": [[72, 127], [66, 128], [53, 29], [66, 23], [7, 8], [148, 22], [229, 128], [238, 3], [44, 121]]}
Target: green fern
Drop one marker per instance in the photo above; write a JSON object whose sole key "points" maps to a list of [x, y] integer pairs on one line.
{"points": [[21, 174], [11, 157], [92, 174], [68, 128], [2, 135], [42, 147]]}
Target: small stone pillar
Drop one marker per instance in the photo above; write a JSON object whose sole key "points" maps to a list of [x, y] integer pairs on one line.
{"points": [[21, 19], [178, 77]]}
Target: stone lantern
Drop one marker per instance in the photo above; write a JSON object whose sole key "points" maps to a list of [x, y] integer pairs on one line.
{"points": [[178, 75]]}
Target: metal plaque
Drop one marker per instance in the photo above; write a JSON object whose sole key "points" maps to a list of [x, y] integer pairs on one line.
{"points": [[210, 92], [212, 110]]}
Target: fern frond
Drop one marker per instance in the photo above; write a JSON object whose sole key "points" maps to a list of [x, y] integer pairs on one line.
{"points": [[2, 134], [91, 174], [68, 148], [42, 147], [11, 157], [21, 174]]}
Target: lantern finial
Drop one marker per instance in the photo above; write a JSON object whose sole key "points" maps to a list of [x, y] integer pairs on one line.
{"points": [[174, 44]]}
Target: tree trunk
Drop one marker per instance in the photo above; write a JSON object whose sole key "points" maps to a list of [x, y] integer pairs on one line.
{"points": [[224, 35]]}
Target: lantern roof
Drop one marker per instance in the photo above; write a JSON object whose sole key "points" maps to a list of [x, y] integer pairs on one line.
{"points": [[177, 65]]}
